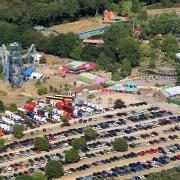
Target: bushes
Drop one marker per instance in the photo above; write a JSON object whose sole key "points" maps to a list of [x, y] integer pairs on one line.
{"points": [[90, 133], [42, 144], [12, 107], [118, 103], [72, 156], [120, 145], [18, 131], [2, 143], [79, 143], [91, 96], [2, 107], [42, 90], [65, 121], [54, 169]]}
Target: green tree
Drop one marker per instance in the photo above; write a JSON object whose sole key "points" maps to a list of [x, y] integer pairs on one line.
{"points": [[29, 100], [54, 169], [72, 156], [136, 6], [143, 15], [28, 122], [39, 176], [90, 96], [74, 83], [90, 133], [153, 56], [126, 68], [104, 61], [38, 84], [23, 177], [169, 44], [12, 107], [55, 90], [18, 131], [2, 141], [43, 60], [130, 49], [2, 107], [166, 175], [42, 144], [126, 6], [77, 51], [65, 121], [51, 88], [79, 143], [66, 86], [118, 103], [42, 90], [120, 144]]}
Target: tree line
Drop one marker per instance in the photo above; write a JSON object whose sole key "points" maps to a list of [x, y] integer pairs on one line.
{"points": [[48, 12]]}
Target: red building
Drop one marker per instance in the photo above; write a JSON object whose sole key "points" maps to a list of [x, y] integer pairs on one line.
{"points": [[77, 67]]}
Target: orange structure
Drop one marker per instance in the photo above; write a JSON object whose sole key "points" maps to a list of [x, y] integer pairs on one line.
{"points": [[108, 15], [1, 133], [93, 41]]}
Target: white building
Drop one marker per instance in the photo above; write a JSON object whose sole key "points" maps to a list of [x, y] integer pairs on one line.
{"points": [[36, 76], [37, 57]]}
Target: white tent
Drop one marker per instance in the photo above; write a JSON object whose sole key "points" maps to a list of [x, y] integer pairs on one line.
{"points": [[36, 76]]}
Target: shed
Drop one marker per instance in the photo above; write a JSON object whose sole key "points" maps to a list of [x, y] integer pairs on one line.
{"points": [[36, 76], [168, 94]]}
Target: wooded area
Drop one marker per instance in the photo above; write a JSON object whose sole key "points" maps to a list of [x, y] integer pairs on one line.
{"points": [[18, 17]]}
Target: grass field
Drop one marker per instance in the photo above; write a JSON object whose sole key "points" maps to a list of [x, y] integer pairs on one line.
{"points": [[153, 12], [79, 26]]}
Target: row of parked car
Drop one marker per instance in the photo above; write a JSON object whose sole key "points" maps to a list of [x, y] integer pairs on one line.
{"points": [[71, 132], [155, 141], [94, 145], [40, 165], [133, 167], [40, 162]]}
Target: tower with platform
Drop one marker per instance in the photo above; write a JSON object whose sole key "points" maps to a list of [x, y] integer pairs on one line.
{"points": [[13, 63]]}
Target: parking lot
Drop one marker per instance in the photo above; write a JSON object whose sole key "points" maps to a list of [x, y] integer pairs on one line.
{"points": [[151, 132]]}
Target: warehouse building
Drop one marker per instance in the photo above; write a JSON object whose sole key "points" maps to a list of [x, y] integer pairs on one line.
{"points": [[76, 67], [91, 78], [172, 93]]}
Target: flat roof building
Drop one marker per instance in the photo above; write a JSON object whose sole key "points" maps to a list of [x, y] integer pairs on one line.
{"points": [[76, 67], [168, 93], [91, 78]]}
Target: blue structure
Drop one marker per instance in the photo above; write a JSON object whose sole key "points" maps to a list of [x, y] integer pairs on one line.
{"points": [[92, 32], [28, 72], [128, 86], [15, 65], [117, 19]]}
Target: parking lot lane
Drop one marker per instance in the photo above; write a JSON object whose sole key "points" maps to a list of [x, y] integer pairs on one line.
{"points": [[109, 166]]}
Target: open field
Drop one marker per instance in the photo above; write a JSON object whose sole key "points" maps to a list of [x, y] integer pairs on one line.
{"points": [[79, 26], [153, 12]]}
